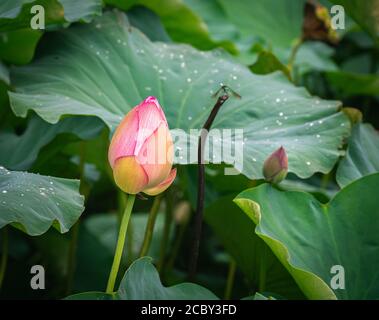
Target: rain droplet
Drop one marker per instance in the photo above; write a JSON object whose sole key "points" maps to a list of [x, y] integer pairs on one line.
{"points": [[189, 79], [308, 163], [4, 191]]}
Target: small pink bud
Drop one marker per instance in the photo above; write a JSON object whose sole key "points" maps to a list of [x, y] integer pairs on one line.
{"points": [[275, 168], [141, 150]]}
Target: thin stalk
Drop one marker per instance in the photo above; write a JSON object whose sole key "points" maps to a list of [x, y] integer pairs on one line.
{"points": [[4, 256], [295, 49], [120, 243], [166, 231], [150, 225], [230, 279], [201, 186], [129, 243], [129, 233]]}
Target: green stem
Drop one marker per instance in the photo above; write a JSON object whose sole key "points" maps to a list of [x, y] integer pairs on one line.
{"points": [[129, 244], [150, 225], [166, 232], [230, 279], [4, 256], [120, 243]]}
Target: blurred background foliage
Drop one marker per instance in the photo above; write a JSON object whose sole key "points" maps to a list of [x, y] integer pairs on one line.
{"points": [[290, 36]]}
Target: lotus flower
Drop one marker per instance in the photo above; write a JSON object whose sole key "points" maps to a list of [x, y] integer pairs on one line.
{"points": [[141, 150], [275, 167]]}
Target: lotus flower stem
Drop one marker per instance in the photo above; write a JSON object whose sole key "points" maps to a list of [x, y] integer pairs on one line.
{"points": [[201, 184], [150, 225], [120, 243], [230, 279]]}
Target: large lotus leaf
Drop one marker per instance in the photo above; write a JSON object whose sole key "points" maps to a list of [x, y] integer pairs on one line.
{"points": [[309, 238], [365, 13], [315, 56], [180, 21], [350, 84], [34, 202], [18, 152], [108, 67], [362, 156], [261, 18], [260, 266], [141, 282], [18, 41]]}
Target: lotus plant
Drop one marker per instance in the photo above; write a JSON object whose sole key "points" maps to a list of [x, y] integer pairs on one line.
{"points": [[140, 155], [275, 168]]}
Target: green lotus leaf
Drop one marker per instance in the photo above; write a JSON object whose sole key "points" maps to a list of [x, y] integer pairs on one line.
{"points": [[141, 282], [33, 202], [106, 68], [362, 156], [312, 239]]}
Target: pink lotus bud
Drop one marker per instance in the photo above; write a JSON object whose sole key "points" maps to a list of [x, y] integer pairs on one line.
{"points": [[141, 150], [275, 167]]}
